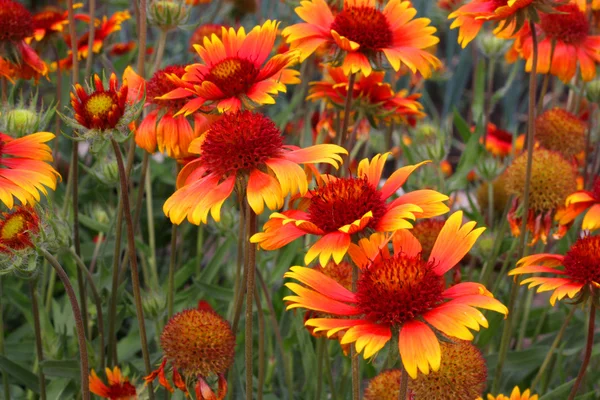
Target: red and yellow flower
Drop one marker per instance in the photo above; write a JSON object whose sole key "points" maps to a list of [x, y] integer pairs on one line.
{"points": [[233, 73], [103, 29], [400, 293], [580, 275], [52, 20], [515, 395], [172, 134], [342, 207], [17, 59], [242, 150], [360, 35], [470, 17], [580, 202], [567, 30], [18, 229], [25, 169], [197, 343], [500, 142], [370, 94], [118, 388]]}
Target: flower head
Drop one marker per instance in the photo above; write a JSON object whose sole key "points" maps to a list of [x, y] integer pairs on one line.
{"points": [[371, 95], [17, 229], [565, 44], [25, 168], [462, 375], [118, 388], [580, 275], [52, 20], [104, 28], [341, 208], [515, 395], [580, 202], [508, 14], [172, 134], [396, 293], [247, 148], [559, 130], [233, 73], [552, 179], [197, 343], [17, 59], [500, 142], [167, 14], [360, 35], [101, 111]]}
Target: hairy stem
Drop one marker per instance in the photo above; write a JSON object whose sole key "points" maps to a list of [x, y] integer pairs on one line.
{"points": [[83, 356], [135, 279], [588, 352], [403, 394], [38, 336], [172, 264], [250, 268]]}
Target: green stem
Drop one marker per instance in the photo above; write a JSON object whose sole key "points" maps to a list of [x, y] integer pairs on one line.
{"points": [[489, 91], [172, 265], [523, 326], [321, 346], [199, 249], [50, 291], [261, 346], [135, 279], [540, 106], [5, 384], [97, 301], [38, 336], [287, 371], [91, 32], [112, 311], [552, 349], [403, 395], [160, 50], [588, 351], [83, 355], [507, 332], [250, 267], [490, 189], [329, 375], [150, 218], [237, 293]]}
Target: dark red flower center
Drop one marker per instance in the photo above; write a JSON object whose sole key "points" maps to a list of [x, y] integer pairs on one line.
{"points": [[344, 201], [233, 76], [364, 25], [582, 261], [122, 390], [15, 21], [568, 24], [399, 289], [240, 141], [160, 84]]}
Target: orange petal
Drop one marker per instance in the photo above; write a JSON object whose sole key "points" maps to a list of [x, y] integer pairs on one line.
{"points": [[321, 283], [334, 244], [419, 348]]}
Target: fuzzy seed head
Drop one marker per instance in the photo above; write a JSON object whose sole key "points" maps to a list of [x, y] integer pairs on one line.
{"points": [[559, 130]]}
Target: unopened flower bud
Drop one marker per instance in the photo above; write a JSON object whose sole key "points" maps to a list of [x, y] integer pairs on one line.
{"points": [[167, 14], [492, 46]]}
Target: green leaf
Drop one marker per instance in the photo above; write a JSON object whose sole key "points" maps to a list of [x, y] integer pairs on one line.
{"points": [[560, 392], [61, 368], [462, 126], [19, 374]]}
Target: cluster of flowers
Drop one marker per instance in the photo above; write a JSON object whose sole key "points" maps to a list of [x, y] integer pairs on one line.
{"points": [[378, 279]]}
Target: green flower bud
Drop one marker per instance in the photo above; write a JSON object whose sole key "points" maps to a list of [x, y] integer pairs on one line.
{"points": [[22, 121], [491, 46], [593, 91], [167, 14]]}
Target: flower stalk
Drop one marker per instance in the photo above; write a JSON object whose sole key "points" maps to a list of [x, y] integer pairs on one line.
{"points": [[588, 352], [251, 225]]}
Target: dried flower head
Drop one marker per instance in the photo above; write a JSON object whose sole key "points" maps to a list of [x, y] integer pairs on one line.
{"points": [[561, 131]]}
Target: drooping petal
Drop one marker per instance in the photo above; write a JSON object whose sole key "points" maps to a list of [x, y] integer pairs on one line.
{"points": [[334, 244], [419, 348], [313, 300], [263, 189], [368, 336]]}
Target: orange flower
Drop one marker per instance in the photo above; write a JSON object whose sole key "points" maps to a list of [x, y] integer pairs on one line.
{"points": [[173, 135], [515, 395], [583, 4], [580, 274], [205, 31], [17, 59], [233, 73], [52, 20], [568, 30], [198, 343], [449, 5], [25, 170], [118, 387], [17, 229], [103, 30], [510, 14], [370, 94], [341, 208], [242, 147], [580, 202], [400, 292], [500, 142], [360, 35]]}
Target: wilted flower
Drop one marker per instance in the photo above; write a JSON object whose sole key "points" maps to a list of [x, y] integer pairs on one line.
{"points": [[197, 343]]}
